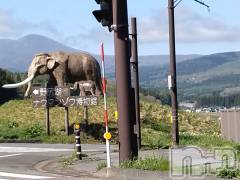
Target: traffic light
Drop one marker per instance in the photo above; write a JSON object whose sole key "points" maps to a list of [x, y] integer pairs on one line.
{"points": [[104, 15]]}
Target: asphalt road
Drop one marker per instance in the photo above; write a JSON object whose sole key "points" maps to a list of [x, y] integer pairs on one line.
{"points": [[18, 161], [24, 161]]}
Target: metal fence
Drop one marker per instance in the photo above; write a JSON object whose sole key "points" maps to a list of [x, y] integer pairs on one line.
{"points": [[230, 124]]}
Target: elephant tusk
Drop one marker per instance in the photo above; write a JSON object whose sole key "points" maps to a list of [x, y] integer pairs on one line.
{"points": [[30, 78]]}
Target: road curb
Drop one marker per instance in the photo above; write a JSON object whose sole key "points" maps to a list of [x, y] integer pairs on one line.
{"points": [[132, 174], [53, 167], [19, 141]]}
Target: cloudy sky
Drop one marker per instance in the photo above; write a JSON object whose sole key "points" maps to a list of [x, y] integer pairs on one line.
{"points": [[198, 31]]}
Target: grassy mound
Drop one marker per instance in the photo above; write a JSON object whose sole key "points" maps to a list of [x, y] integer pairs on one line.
{"points": [[20, 121]]}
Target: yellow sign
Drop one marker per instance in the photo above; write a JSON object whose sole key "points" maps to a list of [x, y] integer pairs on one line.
{"points": [[107, 135], [116, 115], [77, 126]]}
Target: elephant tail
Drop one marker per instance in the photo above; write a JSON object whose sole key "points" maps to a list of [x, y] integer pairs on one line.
{"points": [[99, 84]]}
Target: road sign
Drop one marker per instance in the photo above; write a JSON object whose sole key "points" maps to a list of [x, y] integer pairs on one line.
{"points": [[107, 135], [60, 96], [40, 92]]}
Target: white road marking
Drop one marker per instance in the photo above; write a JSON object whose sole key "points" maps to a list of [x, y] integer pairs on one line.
{"points": [[10, 155], [24, 176], [28, 149], [93, 150]]}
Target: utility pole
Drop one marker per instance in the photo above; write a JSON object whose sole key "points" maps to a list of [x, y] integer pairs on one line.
{"points": [[134, 66], [172, 79], [123, 79], [114, 15]]}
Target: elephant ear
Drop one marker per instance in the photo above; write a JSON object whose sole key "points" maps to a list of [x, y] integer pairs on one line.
{"points": [[51, 62]]}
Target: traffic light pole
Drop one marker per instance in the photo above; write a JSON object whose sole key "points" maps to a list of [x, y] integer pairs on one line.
{"points": [[123, 78], [134, 64], [173, 78]]}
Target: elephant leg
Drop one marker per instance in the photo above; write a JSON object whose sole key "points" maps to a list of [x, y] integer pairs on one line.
{"points": [[60, 81], [82, 91], [92, 92], [98, 91], [60, 78], [75, 86], [93, 89]]}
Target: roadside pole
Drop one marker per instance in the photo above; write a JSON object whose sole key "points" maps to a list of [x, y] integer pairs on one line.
{"points": [[78, 141], [66, 121], [134, 66], [47, 122], [107, 135], [123, 79], [172, 79], [85, 116]]}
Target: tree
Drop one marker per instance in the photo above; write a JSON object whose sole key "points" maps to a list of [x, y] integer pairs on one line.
{"points": [[6, 94]]}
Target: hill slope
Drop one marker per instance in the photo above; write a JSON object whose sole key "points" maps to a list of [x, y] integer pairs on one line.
{"points": [[199, 76], [20, 121], [20, 52]]}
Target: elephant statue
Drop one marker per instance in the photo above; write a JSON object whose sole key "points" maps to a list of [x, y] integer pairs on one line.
{"points": [[85, 87], [63, 68]]}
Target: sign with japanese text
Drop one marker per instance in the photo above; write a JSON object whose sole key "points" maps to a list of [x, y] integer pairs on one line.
{"points": [[60, 96]]}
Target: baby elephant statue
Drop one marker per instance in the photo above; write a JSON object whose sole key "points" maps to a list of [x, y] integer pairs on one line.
{"points": [[85, 87]]}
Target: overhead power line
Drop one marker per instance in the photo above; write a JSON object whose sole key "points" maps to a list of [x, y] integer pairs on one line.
{"points": [[177, 2]]}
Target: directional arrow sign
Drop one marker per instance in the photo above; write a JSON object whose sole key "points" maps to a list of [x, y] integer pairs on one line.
{"points": [[35, 92]]}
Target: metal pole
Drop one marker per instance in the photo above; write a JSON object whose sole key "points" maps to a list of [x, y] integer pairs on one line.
{"points": [[173, 79], [134, 63], [105, 107], [85, 116], [123, 78], [66, 121], [47, 121]]}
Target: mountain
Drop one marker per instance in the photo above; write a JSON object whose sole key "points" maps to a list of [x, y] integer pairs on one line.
{"points": [[21, 51], [16, 55], [201, 76], [198, 75]]}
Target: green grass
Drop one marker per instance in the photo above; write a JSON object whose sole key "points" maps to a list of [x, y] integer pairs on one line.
{"points": [[150, 163], [208, 141], [228, 173], [68, 161], [101, 165], [20, 121]]}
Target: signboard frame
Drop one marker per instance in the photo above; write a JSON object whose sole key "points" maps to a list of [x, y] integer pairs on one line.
{"points": [[60, 97]]}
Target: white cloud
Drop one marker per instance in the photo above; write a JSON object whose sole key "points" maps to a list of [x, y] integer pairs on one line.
{"points": [[88, 37], [11, 27], [191, 27]]}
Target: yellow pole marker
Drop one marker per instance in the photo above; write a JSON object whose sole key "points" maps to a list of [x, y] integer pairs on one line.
{"points": [[77, 126], [116, 115], [107, 135]]}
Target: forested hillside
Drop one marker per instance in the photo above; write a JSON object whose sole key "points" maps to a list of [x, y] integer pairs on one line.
{"points": [[215, 75], [7, 77]]}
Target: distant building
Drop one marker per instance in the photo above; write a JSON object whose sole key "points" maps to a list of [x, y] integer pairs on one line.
{"points": [[187, 105]]}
